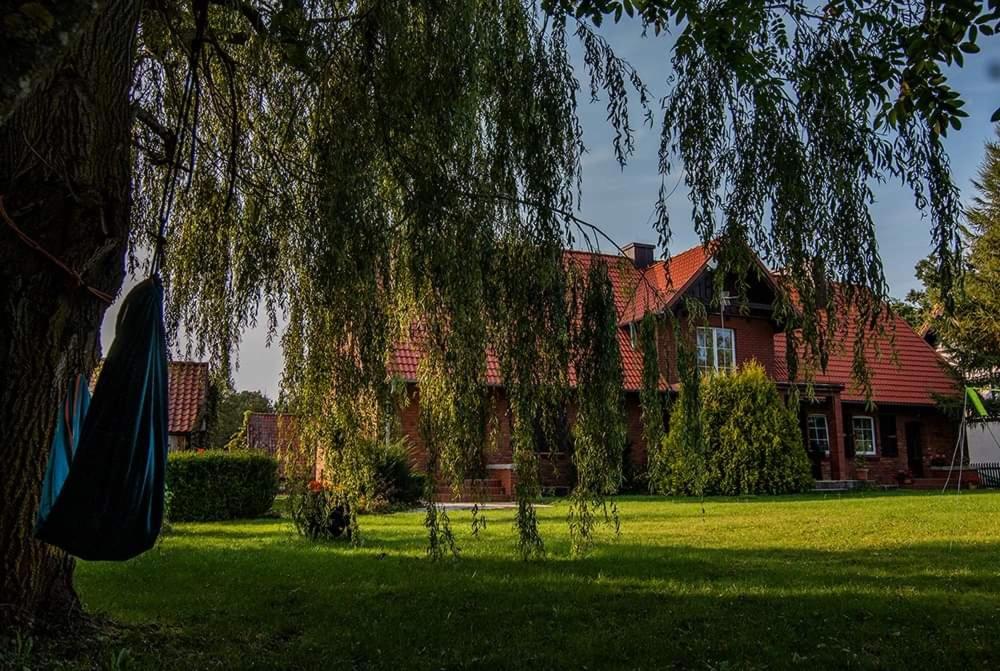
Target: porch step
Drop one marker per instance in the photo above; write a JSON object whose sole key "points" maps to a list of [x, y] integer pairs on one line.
{"points": [[836, 485], [475, 489]]}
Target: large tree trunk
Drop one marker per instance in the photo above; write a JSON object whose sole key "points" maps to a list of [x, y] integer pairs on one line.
{"points": [[64, 176]]}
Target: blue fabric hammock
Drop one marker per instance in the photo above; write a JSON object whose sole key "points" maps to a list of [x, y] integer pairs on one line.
{"points": [[102, 497]]}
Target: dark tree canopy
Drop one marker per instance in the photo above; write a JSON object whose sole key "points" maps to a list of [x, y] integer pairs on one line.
{"points": [[971, 333], [230, 408]]}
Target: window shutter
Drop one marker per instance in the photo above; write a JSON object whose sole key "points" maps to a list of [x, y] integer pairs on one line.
{"points": [[887, 433]]}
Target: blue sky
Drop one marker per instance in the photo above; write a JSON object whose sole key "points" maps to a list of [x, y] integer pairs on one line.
{"points": [[620, 201]]}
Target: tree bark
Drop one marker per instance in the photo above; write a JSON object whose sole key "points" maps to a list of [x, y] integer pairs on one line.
{"points": [[65, 170], [34, 36]]}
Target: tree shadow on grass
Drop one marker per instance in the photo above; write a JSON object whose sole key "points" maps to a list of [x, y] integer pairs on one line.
{"points": [[299, 605]]}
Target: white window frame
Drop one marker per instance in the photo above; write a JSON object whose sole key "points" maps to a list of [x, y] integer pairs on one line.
{"points": [[712, 333], [810, 434], [871, 431]]}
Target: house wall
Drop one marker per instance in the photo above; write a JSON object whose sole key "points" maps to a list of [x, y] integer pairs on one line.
{"points": [[196, 440], [754, 342], [819, 406], [555, 468], [938, 434], [177, 442]]}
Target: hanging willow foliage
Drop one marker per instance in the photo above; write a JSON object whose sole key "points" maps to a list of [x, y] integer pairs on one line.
{"points": [[357, 173], [652, 400], [687, 404], [531, 336], [599, 430]]}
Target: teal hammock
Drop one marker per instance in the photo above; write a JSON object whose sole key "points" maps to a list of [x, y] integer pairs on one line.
{"points": [[102, 497]]}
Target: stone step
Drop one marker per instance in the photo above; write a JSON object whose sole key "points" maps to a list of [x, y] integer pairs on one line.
{"points": [[836, 485], [473, 489], [499, 497]]}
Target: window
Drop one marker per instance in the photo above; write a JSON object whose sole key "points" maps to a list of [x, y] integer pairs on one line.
{"points": [[819, 435], [864, 434], [716, 349]]}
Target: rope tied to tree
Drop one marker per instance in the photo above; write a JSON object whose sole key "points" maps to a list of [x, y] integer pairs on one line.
{"points": [[189, 102], [73, 274]]}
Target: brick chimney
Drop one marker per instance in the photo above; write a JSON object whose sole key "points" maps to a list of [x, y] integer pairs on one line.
{"points": [[640, 253]]}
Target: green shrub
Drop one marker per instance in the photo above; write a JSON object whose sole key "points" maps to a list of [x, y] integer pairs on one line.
{"points": [[750, 442], [320, 514], [220, 485], [388, 482]]}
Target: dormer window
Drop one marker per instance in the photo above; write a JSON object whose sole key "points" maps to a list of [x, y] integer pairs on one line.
{"points": [[716, 349]]}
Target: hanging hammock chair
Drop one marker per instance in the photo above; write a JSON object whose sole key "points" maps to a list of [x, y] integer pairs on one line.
{"points": [[102, 497]]}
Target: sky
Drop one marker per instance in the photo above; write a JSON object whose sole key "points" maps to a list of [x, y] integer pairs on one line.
{"points": [[621, 201]]}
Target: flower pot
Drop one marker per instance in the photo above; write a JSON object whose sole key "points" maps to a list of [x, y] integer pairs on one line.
{"points": [[861, 473]]}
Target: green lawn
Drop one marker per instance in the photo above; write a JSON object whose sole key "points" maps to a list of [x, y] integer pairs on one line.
{"points": [[868, 581]]}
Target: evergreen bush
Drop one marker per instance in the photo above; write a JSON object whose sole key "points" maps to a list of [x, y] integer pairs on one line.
{"points": [[391, 483], [750, 441], [220, 485]]}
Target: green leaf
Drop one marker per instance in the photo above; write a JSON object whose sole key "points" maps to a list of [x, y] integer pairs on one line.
{"points": [[39, 14]]}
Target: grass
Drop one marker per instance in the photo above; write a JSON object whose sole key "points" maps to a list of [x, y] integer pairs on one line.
{"points": [[895, 580]]}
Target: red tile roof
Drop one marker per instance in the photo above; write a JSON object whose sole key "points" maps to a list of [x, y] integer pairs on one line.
{"points": [[187, 384], [920, 373], [660, 283], [272, 432], [409, 351], [278, 435], [635, 291]]}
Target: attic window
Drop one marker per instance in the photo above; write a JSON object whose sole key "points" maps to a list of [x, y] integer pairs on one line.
{"points": [[716, 349]]}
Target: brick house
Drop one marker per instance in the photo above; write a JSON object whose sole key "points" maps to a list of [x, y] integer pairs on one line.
{"points": [[275, 433], [187, 405], [898, 438]]}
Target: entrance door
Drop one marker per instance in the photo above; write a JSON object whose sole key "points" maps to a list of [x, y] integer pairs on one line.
{"points": [[914, 454]]}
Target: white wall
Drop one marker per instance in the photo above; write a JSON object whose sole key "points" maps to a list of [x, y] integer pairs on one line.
{"points": [[982, 446]]}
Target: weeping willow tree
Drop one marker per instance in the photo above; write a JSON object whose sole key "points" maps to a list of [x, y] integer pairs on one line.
{"points": [[652, 401], [599, 430], [353, 172]]}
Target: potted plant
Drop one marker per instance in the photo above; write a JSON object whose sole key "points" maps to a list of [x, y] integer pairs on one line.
{"points": [[860, 467]]}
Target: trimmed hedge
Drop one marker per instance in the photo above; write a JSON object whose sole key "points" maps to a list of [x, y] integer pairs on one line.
{"points": [[751, 442], [220, 485]]}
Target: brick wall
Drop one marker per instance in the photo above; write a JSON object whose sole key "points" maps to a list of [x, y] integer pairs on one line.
{"points": [[634, 435], [820, 406], [555, 470], [754, 341], [937, 435]]}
